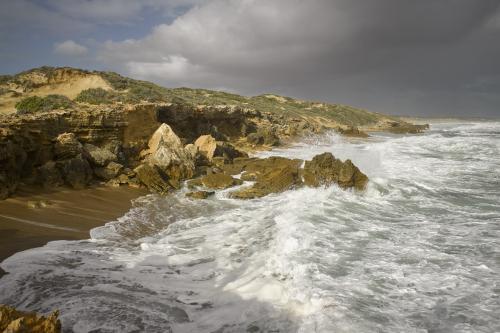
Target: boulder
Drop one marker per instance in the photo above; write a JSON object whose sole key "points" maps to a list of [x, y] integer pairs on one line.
{"points": [[167, 152], [206, 145], [219, 181], [153, 178], [48, 175], [99, 157], [199, 194], [272, 175], [325, 169], [76, 172], [210, 148], [108, 172], [67, 146], [13, 321]]}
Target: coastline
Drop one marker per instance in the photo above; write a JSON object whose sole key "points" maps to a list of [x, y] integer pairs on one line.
{"points": [[67, 214]]}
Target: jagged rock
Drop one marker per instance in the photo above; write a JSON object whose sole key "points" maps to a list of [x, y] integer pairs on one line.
{"points": [[13, 321], [352, 131], [166, 152], [199, 194], [76, 172], [325, 169], [154, 178], [99, 156], [108, 172], [272, 175], [219, 181], [67, 146], [48, 175]]}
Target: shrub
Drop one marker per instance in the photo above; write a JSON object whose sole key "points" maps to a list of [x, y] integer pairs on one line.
{"points": [[95, 96], [36, 104]]}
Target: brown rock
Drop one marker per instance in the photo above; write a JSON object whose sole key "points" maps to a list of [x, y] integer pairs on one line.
{"points": [[109, 172], [154, 178], [76, 172], [199, 194], [273, 175], [48, 175], [325, 169], [67, 146], [206, 145], [352, 131], [99, 156], [219, 181], [167, 153], [13, 321]]}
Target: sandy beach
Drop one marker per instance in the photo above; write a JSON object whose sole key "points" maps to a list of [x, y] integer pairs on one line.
{"points": [[32, 218]]}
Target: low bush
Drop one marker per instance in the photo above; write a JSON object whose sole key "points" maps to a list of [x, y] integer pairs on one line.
{"points": [[95, 96], [36, 104]]}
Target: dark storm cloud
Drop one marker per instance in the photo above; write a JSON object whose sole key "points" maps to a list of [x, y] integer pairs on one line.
{"points": [[427, 57]]}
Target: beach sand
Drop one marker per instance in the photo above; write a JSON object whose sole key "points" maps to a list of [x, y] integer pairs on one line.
{"points": [[68, 214]]}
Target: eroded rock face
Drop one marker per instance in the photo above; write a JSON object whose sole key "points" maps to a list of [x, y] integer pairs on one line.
{"points": [[13, 321], [352, 132], [325, 169]]}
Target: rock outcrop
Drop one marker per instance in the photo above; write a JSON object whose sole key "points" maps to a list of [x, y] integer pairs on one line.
{"points": [[278, 174], [13, 321], [325, 169]]}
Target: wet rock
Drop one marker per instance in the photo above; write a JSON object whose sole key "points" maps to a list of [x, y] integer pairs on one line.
{"points": [[167, 152], [67, 146], [110, 171], [99, 156], [325, 169], [272, 175], [200, 194], [219, 181], [228, 151], [48, 175], [13, 321], [153, 178], [352, 131], [76, 172]]}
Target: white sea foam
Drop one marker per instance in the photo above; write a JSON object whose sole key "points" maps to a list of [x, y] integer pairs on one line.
{"points": [[417, 252]]}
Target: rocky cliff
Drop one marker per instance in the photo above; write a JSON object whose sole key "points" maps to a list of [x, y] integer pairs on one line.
{"points": [[106, 134]]}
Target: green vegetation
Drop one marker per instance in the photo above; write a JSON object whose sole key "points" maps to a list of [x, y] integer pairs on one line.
{"points": [[95, 96], [127, 90], [36, 104]]}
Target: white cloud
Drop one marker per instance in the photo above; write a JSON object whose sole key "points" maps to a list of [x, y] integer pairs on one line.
{"points": [[70, 48]]}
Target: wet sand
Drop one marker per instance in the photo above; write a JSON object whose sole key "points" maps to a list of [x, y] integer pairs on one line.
{"points": [[68, 214]]}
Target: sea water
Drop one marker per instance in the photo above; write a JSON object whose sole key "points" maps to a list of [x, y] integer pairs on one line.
{"points": [[418, 251]]}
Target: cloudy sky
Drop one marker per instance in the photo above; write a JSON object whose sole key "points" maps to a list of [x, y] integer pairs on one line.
{"points": [[425, 57]]}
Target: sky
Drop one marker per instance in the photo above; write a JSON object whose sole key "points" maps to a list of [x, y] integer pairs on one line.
{"points": [[406, 57]]}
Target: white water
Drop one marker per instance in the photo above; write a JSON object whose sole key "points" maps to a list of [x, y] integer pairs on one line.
{"points": [[418, 252]]}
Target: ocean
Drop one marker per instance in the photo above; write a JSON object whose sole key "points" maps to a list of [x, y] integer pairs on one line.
{"points": [[418, 251]]}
